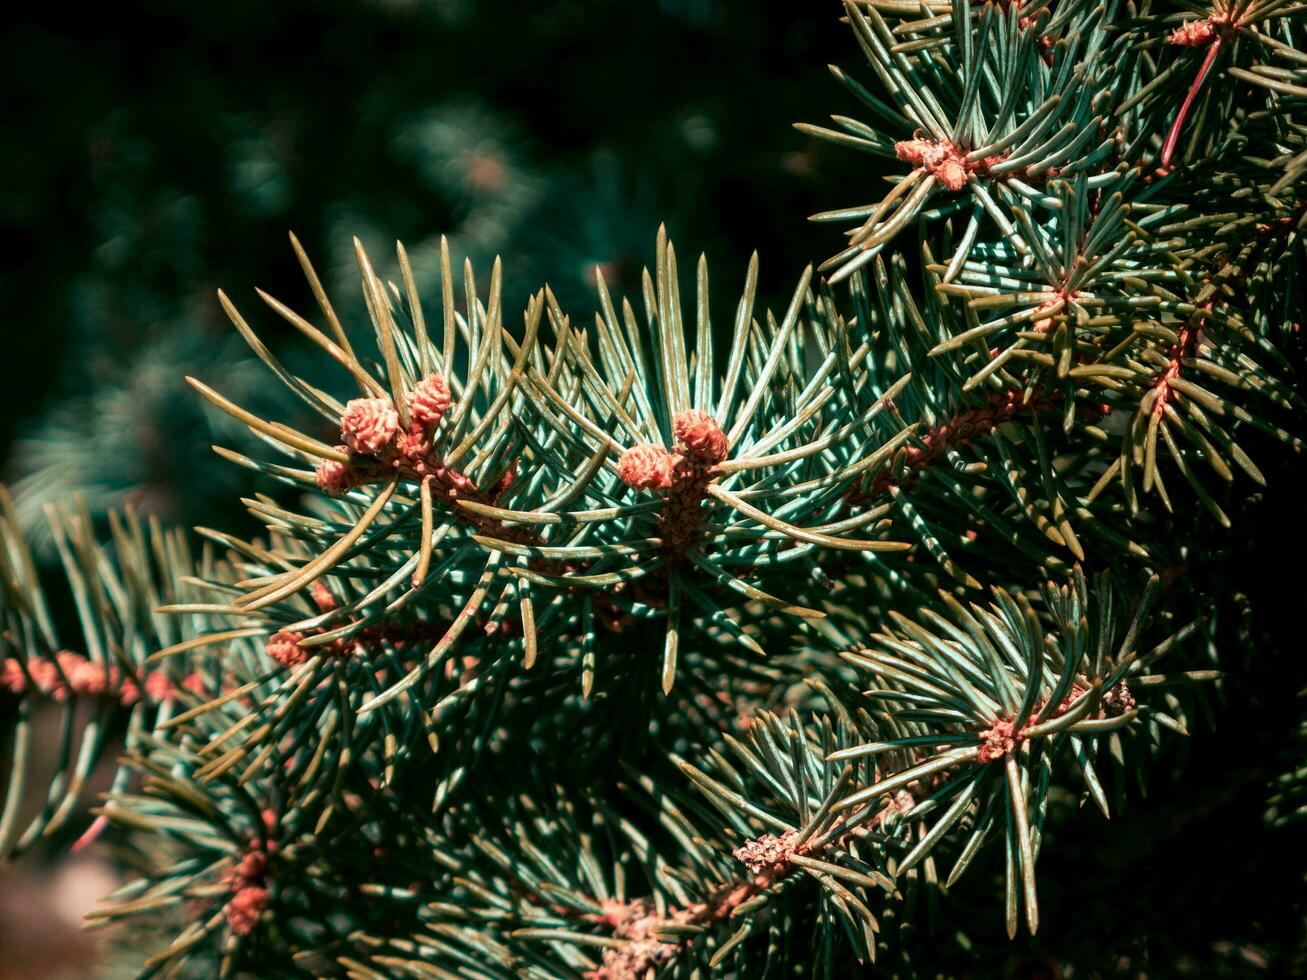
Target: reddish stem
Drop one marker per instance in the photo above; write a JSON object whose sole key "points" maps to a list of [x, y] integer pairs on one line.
{"points": [[956, 431], [1173, 137], [1186, 337]]}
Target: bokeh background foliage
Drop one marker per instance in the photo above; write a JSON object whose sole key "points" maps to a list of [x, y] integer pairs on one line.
{"points": [[153, 152]]}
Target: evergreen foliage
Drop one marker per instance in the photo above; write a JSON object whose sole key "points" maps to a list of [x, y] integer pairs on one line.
{"points": [[588, 645]]}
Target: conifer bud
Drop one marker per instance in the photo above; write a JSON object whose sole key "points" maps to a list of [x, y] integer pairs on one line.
{"points": [[430, 400], [646, 467], [998, 741], [249, 896], [1195, 34], [196, 684], [323, 597], [952, 174], [12, 677], [245, 907], [700, 434], [84, 676], [284, 647], [944, 161], [1117, 701], [369, 425], [768, 854], [128, 692], [918, 152], [46, 677], [333, 476], [159, 687]]}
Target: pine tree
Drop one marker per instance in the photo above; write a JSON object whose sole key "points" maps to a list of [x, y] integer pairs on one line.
{"points": [[674, 640]]}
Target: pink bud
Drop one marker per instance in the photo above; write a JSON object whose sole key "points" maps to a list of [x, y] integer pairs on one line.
{"points": [[45, 676], [952, 174], [700, 434], [85, 677], [284, 647], [369, 425], [333, 476], [12, 676], [245, 907], [914, 151], [195, 683], [944, 161], [646, 467], [1195, 34], [430, 400], [323, 597], [128, 692], [159, 686], [998, 741]]}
